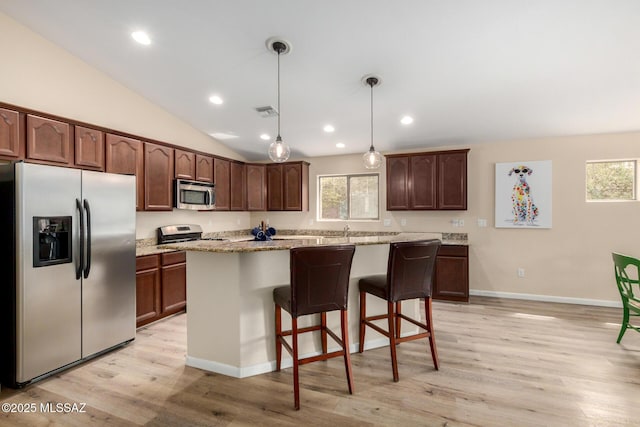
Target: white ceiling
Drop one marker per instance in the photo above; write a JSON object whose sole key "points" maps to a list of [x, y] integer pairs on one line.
{"points": [[468, 71]]}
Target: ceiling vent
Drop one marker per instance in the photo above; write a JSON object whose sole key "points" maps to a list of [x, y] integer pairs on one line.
{"points": [[267, 111]]}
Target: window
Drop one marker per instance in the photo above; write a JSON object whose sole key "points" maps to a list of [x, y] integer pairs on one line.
{"points": [[611, 180], [344, 197]]}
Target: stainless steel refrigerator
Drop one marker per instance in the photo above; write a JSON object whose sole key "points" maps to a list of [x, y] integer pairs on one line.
{"points": [[67, 265]]}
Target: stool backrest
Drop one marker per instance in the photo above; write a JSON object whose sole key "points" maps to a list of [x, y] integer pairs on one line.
{"points": [[320, 278], [411, 269]]}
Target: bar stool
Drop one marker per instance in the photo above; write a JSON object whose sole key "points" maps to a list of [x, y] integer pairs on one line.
{"points": [[409, 275], [319, 283]]}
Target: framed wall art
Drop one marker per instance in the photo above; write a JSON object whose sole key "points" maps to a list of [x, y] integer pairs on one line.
{"points": [[523, 194]]}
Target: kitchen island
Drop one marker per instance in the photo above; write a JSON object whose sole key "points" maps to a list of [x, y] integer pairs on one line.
{"points": [[230, 310]]}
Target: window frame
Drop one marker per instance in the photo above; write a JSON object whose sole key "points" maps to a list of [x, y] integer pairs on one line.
{"points": [[636, 175], [348, 176]]}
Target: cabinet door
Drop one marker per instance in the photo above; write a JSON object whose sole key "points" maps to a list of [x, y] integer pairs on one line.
{"points": [[295, 186], [147, 289], [238, 198], [204, 168], [125, 156], [275, 201], [11, 134], [158, 177], [452, 274], [89, 145], [397, 183], [174, 288], [422, 182], [185, 164], [452, 181], [223, 183], [48, 140], [256, 187]]}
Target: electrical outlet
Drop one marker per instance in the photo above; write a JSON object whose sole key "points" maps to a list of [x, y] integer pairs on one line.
{"points": [[461, 222], [482, 222], [403, 222], [387, 223], [310, 221], [521, 272]]}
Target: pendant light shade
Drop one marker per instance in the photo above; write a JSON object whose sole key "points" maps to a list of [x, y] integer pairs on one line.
{"points": [[279, 151], [372, 159]]}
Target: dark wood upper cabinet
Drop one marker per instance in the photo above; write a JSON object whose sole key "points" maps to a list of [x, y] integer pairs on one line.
{"points": [[256, 187], [49, 140], [452, 180], [125, 156], [397, 183], [222, 180], [237, 196], [158, 177], [204, 168], [275, 200], [185, 162], [89, 145], [422, 182], [288, 186], [296, 186], [11, 134], [427, 181]]}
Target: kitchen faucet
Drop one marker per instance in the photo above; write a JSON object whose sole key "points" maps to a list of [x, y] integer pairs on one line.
{"points": [[346, 230]]}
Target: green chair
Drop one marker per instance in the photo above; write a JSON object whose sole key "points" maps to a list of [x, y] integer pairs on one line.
{"points": [[627, 271]]}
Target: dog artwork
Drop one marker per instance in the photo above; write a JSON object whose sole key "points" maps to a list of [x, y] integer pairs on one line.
{"points": [[523, 208]]}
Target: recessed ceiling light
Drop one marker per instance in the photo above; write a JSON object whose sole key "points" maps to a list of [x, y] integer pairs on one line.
{"points": [[340, 145], [141, 37], [328, 128], [215, 99], [406, 120], [265, 137]]}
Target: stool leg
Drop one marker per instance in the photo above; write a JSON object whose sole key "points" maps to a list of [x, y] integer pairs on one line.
{"points": [[278, 336], [392, 340], [296, 385], [432, 337], [398, 318], [323, 331], [363, 315], [345, 341]]}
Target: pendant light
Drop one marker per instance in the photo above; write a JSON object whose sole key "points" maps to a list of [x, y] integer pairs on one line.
{"points": [[278, 150], [372, 159]]}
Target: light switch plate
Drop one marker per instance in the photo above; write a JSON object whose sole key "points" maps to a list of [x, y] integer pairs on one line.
{"points": [[387, 223]]}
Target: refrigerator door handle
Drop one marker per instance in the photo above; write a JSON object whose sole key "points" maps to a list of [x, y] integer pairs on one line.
{"points": [[81, 257], [87, 267]]}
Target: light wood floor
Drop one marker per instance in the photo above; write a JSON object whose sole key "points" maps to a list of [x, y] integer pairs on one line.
{"points": [[502, 363]]}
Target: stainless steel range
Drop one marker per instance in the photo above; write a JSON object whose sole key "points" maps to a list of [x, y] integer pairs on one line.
{"points": [[182, 233]]}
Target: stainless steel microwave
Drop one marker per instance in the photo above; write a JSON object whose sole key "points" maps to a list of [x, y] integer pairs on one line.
{"points": [[194, 195]]}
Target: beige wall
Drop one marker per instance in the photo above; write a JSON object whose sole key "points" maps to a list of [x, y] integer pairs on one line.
{"points": [[569, 262]]}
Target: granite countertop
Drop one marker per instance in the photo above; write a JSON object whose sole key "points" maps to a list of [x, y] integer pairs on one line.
{"points": [[287, 241]]}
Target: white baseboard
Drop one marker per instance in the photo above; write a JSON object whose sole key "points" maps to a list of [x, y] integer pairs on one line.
{"points": [[546, 298], [287, 362]]}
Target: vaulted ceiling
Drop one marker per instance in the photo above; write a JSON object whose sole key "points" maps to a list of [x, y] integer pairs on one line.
{"points": [[466, 71]]}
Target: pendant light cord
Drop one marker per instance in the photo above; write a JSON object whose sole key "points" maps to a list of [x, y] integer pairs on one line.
{"points": [[371, 84], [278, 137]]}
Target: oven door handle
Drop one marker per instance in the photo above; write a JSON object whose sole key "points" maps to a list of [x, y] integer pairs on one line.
{"points": [[81, 257], [87, 267]]}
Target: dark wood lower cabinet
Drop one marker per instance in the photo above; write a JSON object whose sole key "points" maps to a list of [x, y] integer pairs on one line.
{"points": [[161, 286], [174, 282], [452, 273]]}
